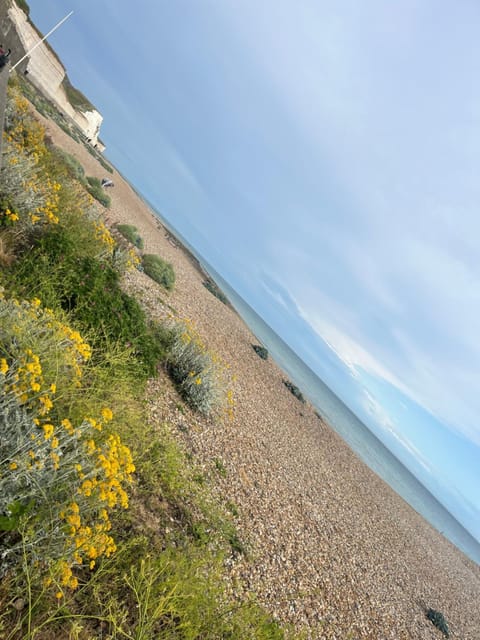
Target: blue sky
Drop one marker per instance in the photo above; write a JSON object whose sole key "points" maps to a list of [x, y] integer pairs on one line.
{"points": [[324, 157]]}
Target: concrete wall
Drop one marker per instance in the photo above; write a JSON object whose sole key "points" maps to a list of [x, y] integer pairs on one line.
{"points": [[45, 70]]}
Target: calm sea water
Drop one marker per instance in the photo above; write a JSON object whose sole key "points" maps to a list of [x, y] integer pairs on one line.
{"points": [[360, 439]]}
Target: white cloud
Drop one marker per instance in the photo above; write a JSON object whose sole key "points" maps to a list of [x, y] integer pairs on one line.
{"points": [[373, 407]]}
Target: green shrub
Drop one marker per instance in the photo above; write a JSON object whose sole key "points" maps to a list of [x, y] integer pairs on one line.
{"points": [[95, 189], [61, 270], [214, 290], [74, 167], [130, 232], [438, 620], [260, 351], [178, 593], [294, 390], [159, 270]]}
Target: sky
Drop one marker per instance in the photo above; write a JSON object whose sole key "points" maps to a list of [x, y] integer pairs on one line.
{"points": [[324, 157]]}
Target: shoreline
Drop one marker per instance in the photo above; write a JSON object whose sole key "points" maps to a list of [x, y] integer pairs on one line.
{"points": [[331, 546]]}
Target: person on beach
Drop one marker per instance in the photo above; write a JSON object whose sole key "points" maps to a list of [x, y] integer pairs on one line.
{"points": [[4, 56]]}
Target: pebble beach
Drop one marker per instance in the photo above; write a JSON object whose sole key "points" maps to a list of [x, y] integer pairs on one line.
{"points": [[331, 548]]}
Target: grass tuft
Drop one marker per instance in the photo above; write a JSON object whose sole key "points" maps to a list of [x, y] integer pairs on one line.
{"points": [[159, 270], [130, 232], [95, 189]]}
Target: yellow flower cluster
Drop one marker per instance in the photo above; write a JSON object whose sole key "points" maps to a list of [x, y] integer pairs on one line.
{"points": [[28, 384], [97, 473], [8, 216], [24, 149], [133, 259], [104, 235], [49, 210], [26, 134], [114, 468], [3, 366], [101, 489], [66, 577], [79, 351], [28, 381], [86, 543]]}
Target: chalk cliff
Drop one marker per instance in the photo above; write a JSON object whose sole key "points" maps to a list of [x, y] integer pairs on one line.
{"points": [[47, 72]]}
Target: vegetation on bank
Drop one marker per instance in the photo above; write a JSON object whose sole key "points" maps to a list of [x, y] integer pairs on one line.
{"points": [[159, 270], [107, 529], [95, 189], [130, 233], [44, 106]]}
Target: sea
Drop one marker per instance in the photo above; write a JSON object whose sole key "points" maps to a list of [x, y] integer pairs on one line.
{"points": [[356, 434]]}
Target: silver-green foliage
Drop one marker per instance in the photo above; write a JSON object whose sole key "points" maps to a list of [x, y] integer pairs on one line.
{"points": [[198, 373]]}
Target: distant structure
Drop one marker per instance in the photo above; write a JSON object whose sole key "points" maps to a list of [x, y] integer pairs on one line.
{"points": [[46, 71]]}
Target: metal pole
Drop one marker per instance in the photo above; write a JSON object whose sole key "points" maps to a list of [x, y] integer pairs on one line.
{"points": [[40, 41]]}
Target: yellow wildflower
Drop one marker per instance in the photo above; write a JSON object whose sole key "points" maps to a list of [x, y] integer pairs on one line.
{"points": [[107, 414], [48, 431]]}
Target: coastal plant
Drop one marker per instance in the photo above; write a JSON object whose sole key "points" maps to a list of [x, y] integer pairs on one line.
{"points": [[159, 270], [184, 589], [94, 187], [30, 333], [58, 480], [130, 233], [74, 167], [124, 260], [74, 266], [35, 183], [201, 378], [180, 593], [25, 197]]}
